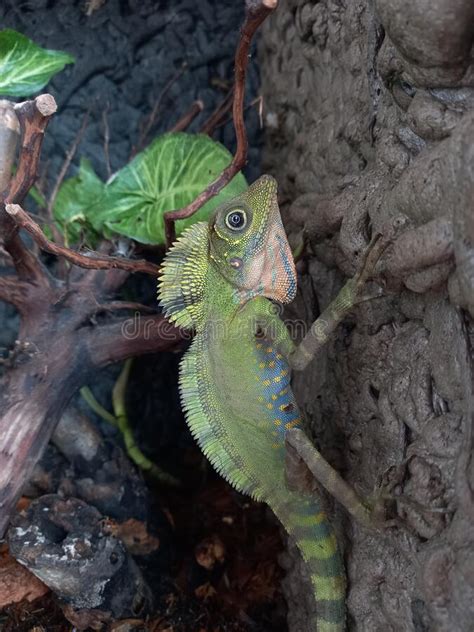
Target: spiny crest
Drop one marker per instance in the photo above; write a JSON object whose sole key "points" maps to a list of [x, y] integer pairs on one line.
{"points": [[182, 277]]}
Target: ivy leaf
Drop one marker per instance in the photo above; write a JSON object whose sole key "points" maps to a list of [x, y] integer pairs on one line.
{"points": [[26, 68], [74, 201], [167, 175]]}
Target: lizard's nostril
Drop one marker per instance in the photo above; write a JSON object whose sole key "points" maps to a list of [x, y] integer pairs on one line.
{"points": [[236, 262]]}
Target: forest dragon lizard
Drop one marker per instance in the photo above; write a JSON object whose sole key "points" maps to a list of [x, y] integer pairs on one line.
{"points": [[235, 378]]}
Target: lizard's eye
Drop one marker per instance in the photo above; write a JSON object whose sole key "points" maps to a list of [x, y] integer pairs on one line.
{"points": [[236, 219]]}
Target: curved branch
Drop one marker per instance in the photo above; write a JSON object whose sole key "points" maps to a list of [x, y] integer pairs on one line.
{"points": [[256, 12], [210, 125], [92, 261], [113, 306], [33, 117], [186, 120]]}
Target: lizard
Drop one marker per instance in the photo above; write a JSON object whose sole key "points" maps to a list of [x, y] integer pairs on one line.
{"points": [[222, 279]]}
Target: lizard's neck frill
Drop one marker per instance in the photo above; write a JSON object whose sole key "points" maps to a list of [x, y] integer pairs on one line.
{"points": [[183, 278]]}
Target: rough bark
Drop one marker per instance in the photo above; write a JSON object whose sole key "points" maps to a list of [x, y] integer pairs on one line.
{"points": [[49, 368], [370, 127]]}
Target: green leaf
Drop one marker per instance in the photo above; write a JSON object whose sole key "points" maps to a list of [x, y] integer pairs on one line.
{"points": [[25, 68], [167, 175], [74, 201]]}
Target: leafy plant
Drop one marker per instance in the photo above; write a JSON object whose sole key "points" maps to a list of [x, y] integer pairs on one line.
{"points": [[73, 204], [26, 68], [167, 175]]}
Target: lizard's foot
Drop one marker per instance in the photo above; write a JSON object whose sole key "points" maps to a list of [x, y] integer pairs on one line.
{"points": [[381, 503], [355, 291]]}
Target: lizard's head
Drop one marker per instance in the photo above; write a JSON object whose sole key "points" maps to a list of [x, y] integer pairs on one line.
{"points": [[249, 245]]}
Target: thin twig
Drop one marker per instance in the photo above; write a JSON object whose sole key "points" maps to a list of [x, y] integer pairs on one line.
{"points": [[259, 100], [151, 118], [186, 120], [224, 121], [105, 121], [214, 121], [119, 305], [92, 261], [256, 12], [66, 164]]}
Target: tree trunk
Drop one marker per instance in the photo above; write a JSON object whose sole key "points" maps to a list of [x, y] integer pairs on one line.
{"points": [[370, 128], [58, 351], [35, 393]]}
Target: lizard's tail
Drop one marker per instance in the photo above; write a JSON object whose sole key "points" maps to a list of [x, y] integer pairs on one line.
{"points": [[304, 520]]}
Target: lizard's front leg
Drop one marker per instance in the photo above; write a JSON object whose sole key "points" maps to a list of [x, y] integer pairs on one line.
{"points": [[350, 295], [353, 293]]}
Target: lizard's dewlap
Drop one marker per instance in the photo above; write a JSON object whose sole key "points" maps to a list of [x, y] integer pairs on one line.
{"points": [[272, 273]]}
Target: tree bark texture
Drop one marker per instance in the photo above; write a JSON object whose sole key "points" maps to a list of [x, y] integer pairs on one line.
{"points": [[370, 128], [60, 347]]}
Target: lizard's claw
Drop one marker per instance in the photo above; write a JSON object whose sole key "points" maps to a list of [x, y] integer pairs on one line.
{"points": [[357, 286]]}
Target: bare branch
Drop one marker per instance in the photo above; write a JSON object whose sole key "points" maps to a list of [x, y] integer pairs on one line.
{"points": [[150, 121], [105, 122], [256, 12], [9, 135], [34, 118], [122, 305], [92, 261], [189, 117], [219, 119], [218, 115], [66, 164]]}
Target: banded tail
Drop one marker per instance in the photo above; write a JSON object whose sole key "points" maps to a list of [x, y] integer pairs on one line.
{"points": [[305, 521]]}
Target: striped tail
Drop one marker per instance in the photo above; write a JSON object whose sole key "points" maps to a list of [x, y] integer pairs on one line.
{"points": [[304, 520]]}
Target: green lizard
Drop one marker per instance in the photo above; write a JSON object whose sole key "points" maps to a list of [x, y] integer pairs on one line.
{"points": [[235, 378]]}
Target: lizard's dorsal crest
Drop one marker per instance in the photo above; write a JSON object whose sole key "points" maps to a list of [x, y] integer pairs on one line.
{"points": [[182, 277]]}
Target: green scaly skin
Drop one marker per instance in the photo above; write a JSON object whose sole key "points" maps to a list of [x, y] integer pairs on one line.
{"points": [[234, 379]]}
